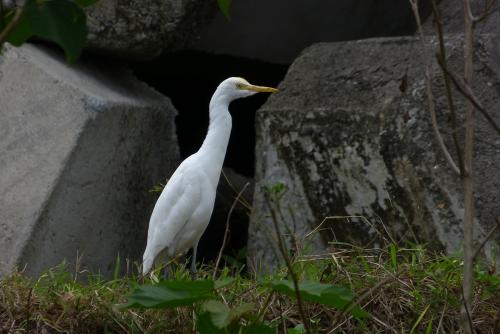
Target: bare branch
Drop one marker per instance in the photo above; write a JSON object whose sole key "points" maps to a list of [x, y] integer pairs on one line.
{"points": [[226, 232], [286, 257], [468, 224], [430, 96], [466, 91], [488, 10], [442, 59], [488, 237]]}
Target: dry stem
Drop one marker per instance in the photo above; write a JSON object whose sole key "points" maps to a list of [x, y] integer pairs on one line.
{"points": [[430, 96], [466, 91], [468, 176], [292, 273], [442, 60], [226, 232]]}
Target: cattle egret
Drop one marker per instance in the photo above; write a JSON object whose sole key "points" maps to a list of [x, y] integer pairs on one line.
{"points": [[183, 210]]}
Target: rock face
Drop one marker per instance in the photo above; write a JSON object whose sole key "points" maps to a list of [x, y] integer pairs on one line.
{"points": [[142, 29], [349, 134], [80, 147]]}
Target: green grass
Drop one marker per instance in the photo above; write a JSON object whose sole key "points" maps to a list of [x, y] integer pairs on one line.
{"points": [[405, 290]]}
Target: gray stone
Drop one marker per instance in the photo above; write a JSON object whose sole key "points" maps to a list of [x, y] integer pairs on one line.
{"points": [[80, 147], [142, 29], [349, 134]]}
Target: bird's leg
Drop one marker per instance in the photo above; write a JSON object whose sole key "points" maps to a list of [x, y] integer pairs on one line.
{"points": [[193, 263], [163, 258]]}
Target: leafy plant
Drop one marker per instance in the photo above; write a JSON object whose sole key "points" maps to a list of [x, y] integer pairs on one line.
{"points": [[216, 315], [169, 294], [225, 6], [58, 300], [326, 294], [59, 21]]}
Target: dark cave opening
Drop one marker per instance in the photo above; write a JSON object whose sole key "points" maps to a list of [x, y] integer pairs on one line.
{"points": [[189, 79]]}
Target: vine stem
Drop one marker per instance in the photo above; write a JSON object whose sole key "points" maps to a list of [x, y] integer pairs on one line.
{"points": [[12, 24]]}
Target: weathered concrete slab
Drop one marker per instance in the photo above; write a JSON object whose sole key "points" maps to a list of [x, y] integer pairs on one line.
{"points": [[142, 29], [349, 134], [80, 146]]}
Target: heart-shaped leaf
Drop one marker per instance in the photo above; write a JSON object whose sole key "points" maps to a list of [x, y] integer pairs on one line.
{"points": [[170, 294], [326, 294]]}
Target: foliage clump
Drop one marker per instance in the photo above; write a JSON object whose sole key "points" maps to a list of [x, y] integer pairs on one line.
{"points": [[407, 290]]}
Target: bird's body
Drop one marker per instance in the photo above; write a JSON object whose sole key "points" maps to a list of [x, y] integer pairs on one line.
{"points": [[185, 205]]}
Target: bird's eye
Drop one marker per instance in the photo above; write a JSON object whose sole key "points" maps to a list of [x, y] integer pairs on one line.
{"points": [[239, 85]]}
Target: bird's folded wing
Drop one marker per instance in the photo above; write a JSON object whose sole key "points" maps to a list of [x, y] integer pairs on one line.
{"points": [[172, 211]]}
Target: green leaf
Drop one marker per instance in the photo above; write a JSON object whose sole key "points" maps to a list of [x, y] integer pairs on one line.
{"points": [[258, 329], [326, 294], [170, 294], [222, 316], [238, 311], [204, 325], [60, 21], [394, 258], [219, 313], [85, 3], [420, 317], [299, 329], [221, 283], [225, 6], [428, 330]]}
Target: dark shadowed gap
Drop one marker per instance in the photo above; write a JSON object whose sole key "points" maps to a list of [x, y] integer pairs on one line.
{"points": [[189, 79]]}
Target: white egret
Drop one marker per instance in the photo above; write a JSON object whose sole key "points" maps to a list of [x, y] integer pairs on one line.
{"points": [[183, 210]]}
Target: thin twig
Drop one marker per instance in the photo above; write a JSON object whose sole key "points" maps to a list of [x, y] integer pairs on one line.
{"points": [[266, 304], [12, 24], [441, 319], [490, 8], [488, 237], [284, 252], [430, 96], [365, 295], [242, 200], [226, 232], [466, 91], [468, 224], [449, 97]]}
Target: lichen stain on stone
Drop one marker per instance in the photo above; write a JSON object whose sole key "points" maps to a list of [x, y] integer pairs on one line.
{"points": [[365, 184], [407, 178]]}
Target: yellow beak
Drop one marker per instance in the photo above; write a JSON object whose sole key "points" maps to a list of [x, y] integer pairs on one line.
{"points": [[260, 89]]}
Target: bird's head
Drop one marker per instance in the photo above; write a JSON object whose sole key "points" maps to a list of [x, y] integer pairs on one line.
{"points": [[235, 88]]}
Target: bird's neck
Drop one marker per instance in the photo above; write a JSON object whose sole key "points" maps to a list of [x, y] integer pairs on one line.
{"points": [[215, 144]]}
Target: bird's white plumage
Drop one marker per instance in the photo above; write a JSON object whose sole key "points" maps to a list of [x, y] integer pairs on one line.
{"points": [[185, 205]]}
